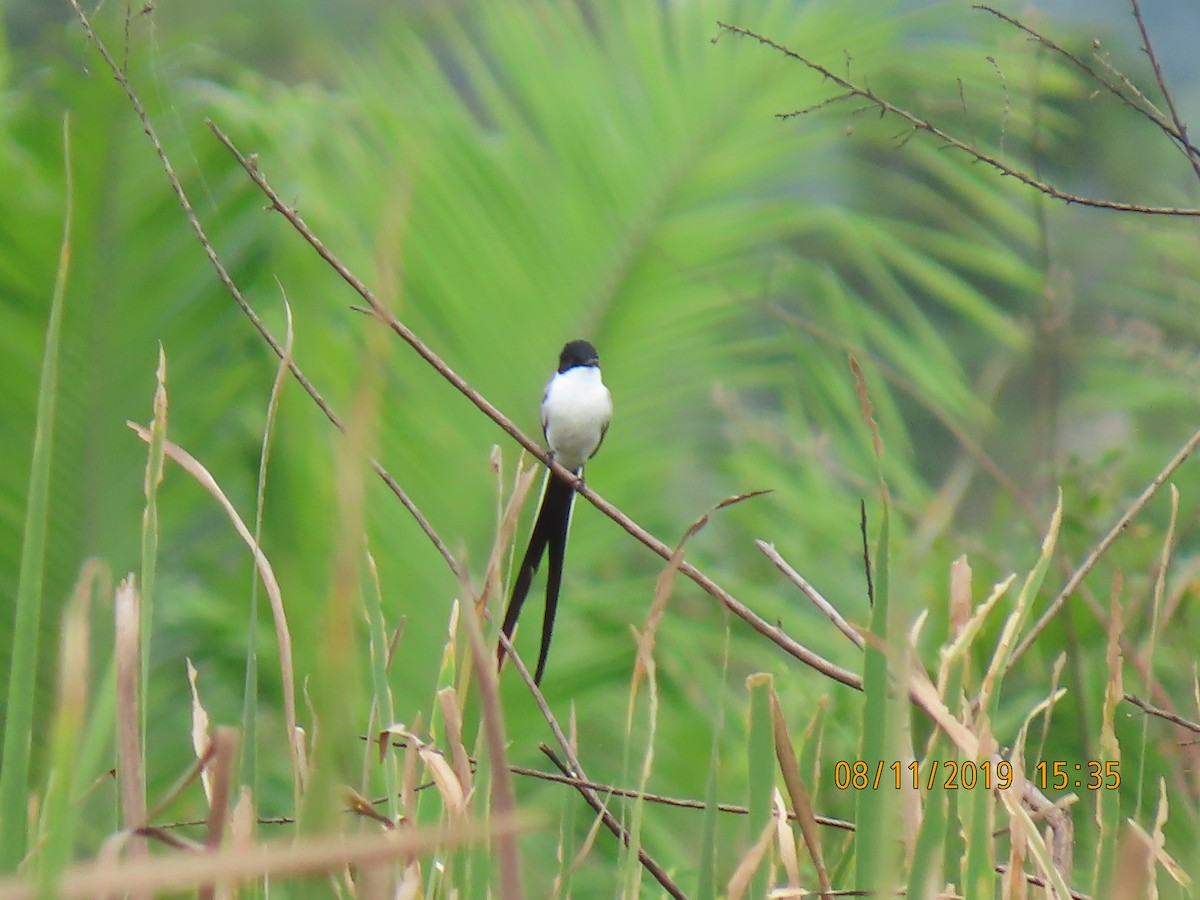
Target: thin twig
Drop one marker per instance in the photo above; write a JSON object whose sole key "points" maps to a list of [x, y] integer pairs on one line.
{"points": [[223, 275], [818, 600], [919, 124], [1162, 713], [1148, 47]]}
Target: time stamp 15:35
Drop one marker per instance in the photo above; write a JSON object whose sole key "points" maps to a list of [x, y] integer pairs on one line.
{"points": [[859, 775]]}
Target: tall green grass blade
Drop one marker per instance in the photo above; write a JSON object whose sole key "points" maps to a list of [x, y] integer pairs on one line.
{"points": [[977, 811], [941, 848], [925, 874], [876, 849], [18, 718]]}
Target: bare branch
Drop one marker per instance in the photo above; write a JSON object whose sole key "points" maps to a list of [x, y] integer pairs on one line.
{"points": [[1138, 102], [1164, 714], [919, 124], [1180, 128]]}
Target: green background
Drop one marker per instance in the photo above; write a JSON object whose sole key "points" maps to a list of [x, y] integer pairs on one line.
{"points": [[511, 176]]}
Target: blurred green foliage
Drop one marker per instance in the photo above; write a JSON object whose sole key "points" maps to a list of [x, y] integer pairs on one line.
{"points": [[509, 176]]}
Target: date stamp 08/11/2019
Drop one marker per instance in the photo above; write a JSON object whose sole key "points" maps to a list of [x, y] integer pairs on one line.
{"points": [[859, 775]]}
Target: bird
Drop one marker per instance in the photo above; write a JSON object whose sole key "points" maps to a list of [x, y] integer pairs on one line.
{"points": [[576, 410]]}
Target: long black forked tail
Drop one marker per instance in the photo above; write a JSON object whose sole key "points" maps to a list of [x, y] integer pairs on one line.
{"points": [[549, 531]]}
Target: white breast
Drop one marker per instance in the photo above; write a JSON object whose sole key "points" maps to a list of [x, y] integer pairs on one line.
{"points": [[576, 410]]}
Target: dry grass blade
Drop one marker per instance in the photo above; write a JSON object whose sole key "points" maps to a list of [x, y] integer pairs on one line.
{"points": [[361, 806], [739, 882], [786, 843], [798, 793], [866, 409], [62, 807], [1114, 689], [452, 716], [444, 777], [282, 634], [130, 764], [225, 742], [969, 630], [1012, 625], [1135, 859], [503, 799], [563, 877], [1160, 587], [242, 822], [506, 525], [1158, 840], [201, 742], [225, 745], [183, 871]]}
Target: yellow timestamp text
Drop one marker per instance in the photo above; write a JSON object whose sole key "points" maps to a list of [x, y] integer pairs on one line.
{"points": [[949, 774], [860, 775], [1092, 775]]}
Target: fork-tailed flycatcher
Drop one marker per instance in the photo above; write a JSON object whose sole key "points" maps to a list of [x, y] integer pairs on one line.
{"points": [[576, 410]]}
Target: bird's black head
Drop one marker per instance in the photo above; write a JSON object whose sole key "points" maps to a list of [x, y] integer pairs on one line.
{"points": [[577, 353]]}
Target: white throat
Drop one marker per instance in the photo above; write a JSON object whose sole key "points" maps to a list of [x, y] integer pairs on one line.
{"points": [[575, 412]]}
